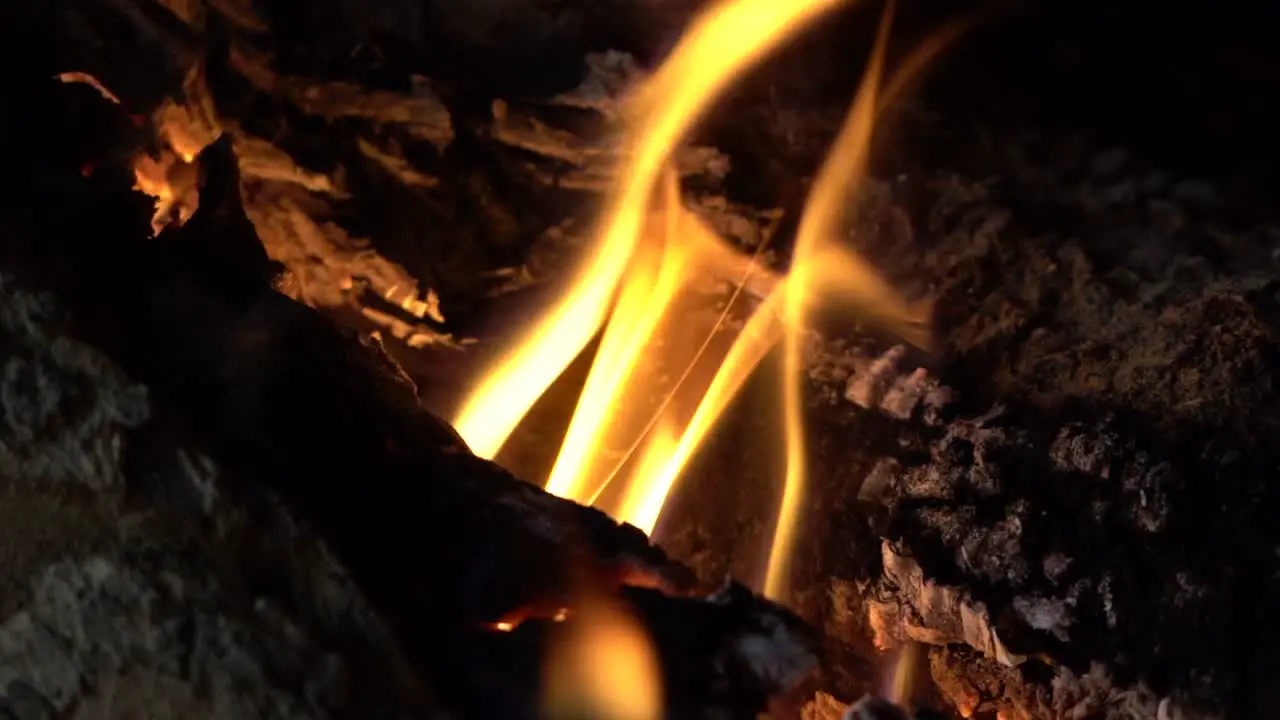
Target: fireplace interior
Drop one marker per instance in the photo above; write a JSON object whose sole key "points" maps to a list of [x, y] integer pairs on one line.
{"points": [[638, 359]]}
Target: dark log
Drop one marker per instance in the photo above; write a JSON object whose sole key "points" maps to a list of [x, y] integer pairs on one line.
{"points": [[288, 400]]}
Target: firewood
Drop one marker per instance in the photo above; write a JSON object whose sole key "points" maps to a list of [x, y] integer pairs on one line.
{"points": [[326, 422]]}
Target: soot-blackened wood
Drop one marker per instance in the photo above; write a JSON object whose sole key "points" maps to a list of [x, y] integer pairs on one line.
{"points": [[442, 541]]}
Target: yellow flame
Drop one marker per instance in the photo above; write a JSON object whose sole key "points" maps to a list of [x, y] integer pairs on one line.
{"points": [[641, 505], [657, 269], [822, 221], [648, 249], [602, 665], [902, 683], [727, 39], [647, 496]]}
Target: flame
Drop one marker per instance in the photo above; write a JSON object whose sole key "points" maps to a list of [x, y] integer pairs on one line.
{"points": [[634, 289], [726, 40], [169, 176], [905, 666], [657, 269], [820, 223], [602, 665]]}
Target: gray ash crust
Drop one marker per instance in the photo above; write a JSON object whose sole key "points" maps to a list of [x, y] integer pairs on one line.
{"points": [[1118, 510], [1083, 548], [127, 587], [1117, 331]]}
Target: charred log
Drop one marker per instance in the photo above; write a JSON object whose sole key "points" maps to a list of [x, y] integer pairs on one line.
{"points": [[1069, 504], [290, 403]]}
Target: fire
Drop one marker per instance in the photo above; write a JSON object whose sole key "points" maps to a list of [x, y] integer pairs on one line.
{"points": [[183, 130], [726, 40], [905, 666], [602, 665], [649, 251]]}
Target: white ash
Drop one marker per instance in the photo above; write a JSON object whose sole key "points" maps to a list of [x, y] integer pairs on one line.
{"points": [[1050, 615], [1095, 695], [868, 388], [66, 407], [1189, 591], [972, 513], [202, 480], [923, 483], [1099, 451], [1055, 565], [875, 382], [1108, 602], [995, 553], [1078, 451], [178, 479], [1147, 485], [610, 76], [962, 460], [907, 606]]}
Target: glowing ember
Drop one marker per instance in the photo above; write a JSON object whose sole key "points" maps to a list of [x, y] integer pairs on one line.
{"points": [[648, 251], [183, 129]]}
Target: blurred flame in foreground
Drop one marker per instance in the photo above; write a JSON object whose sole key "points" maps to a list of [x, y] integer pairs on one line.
{"points": [[601, 665], [650, 250], [905, 666]]}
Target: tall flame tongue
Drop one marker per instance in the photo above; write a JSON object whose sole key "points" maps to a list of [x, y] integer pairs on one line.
{"points": [[819, 225], [728, 38], [635, 284]]}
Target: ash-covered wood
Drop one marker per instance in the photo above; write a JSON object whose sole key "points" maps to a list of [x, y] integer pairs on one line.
{"points": [[1093, 497]]}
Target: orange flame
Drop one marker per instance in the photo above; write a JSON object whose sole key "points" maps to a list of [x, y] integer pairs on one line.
{"points": [[821, 222], [729, 38], [602, 665], [648, 252], [905, 666]]}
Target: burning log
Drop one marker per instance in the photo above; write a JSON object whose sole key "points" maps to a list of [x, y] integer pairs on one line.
{"points": [[1064, 506], [289, 402]]}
